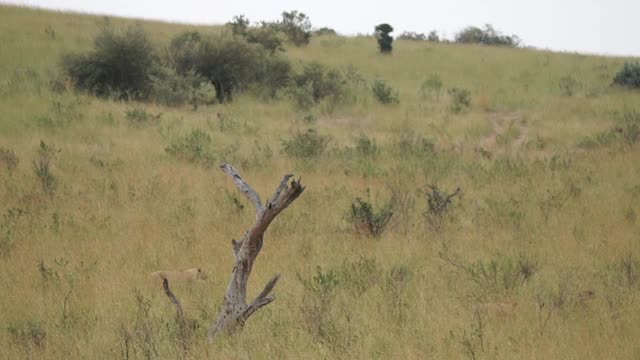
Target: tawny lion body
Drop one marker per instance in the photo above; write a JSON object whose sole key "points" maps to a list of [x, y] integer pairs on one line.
{"points": [[176, 276]]}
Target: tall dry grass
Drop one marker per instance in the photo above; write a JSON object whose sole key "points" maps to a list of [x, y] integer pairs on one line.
{"points": [[548, 209]]}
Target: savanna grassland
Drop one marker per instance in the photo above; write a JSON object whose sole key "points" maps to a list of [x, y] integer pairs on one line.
{"points": [[536, 257]]}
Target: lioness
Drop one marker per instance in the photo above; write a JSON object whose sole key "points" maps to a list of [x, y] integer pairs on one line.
{"points": [[175, 276]]}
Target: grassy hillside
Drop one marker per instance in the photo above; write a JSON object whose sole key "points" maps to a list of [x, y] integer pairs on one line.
{"points": [[538, 256]]}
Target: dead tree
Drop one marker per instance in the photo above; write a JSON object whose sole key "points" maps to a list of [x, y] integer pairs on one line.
{"points": [[235, 310], [184, 329]]}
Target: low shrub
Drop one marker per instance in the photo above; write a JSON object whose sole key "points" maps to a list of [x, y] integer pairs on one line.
{"points": [[366, 146], [196, 147], [413, 36], [438, 205], [138, 116], [324, 31], [624, 272], [360, 275], [273, 76], [42, 167], [317, 304], [486, 36], [239, 25], [460, 99], [410, 144], [367, 220], [628, 76], [172, 89], [394, 288], [306, 145], [268, 37], [433, 36], [568, 85], [384, 93], [318, 82], [28, 335], [626, 134], [499, 275], [431, 86]]}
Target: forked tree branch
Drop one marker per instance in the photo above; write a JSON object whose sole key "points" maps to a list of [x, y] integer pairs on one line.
{"points": [[244, 188], [173, 298], [235, 310]]}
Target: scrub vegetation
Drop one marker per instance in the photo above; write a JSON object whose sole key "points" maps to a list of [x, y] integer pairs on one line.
{"points": [[463, 201]]}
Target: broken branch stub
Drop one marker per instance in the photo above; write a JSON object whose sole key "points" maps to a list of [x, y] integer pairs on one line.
{"points": [[235, 310]]}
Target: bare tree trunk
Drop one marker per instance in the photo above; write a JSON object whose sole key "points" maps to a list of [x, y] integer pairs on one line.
{"points": [[235, 310], [184, 330]]}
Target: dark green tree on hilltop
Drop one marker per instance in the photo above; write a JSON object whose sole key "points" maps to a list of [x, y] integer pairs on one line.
{"points": [[385, 40]]}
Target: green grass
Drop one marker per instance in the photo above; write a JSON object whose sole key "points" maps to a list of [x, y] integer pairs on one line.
{"points": [[124, 207]]}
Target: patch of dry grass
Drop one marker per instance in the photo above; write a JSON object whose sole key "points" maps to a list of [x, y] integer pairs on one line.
{"points": [[75, 265]]}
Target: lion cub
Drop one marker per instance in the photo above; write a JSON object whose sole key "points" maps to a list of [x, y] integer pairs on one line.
{"points": [[174, 276]]}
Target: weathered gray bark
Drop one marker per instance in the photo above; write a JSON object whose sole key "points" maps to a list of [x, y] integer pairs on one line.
{"points": [[174, 300], [235, 310], [184, 329]]}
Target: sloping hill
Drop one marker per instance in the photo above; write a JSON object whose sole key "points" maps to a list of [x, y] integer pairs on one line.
{"points": [[95, 194]]}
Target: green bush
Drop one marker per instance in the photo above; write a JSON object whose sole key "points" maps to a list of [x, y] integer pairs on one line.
{"points": [[273, 76], [366, 146], [317, 304], [413, 36], [183, 52], [238, 25], [138, 116], [384, 93], [266, 36], [438, 206], [318, 82], [486, 36], [29, 335], [433, 36], [120, 62], [627, 134], [306, 145], [628, 76], [361, 275], [296, 26], [303, 96], [195, 147], [499, 275], [460, 99], [385, 41], [431, 86], [172, 89], [368, 221], [42, 168], [410, 144], [324, 31]]}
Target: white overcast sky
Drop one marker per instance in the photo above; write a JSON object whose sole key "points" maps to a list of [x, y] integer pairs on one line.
{"points": [[589, 26]]}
